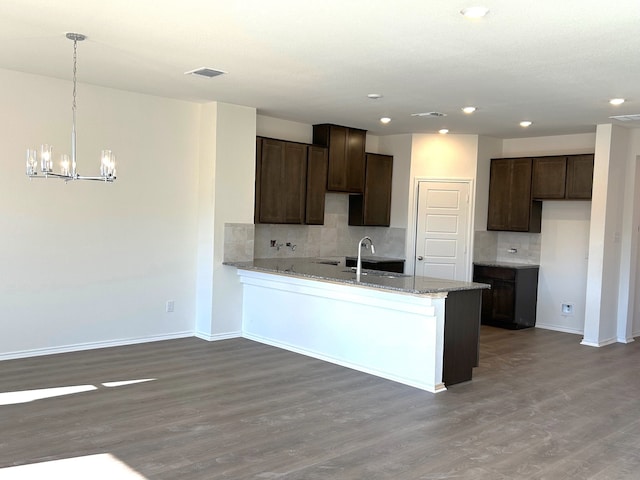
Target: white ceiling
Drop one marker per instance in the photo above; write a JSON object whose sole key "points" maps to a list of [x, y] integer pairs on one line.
{"points": [[554, 62]]}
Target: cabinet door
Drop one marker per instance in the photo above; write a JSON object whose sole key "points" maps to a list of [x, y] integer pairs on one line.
{"points": [[281, 169], [579, 177], [336, 140], [293, 185], [499, 195], [355, 160], [520, 195], [503, 301], [346, 156], [377, 190], [317, 166], [549, 177], [270, 165]]}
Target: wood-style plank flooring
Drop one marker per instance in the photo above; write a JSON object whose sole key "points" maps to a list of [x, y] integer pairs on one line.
{"points": [[540, 406]]}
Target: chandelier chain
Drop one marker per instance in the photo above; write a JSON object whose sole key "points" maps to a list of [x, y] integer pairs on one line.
{"points": [[75, 69]]}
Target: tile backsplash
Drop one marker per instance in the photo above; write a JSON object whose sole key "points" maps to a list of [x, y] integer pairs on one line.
{"points": [[507, 247], [334, 238]]}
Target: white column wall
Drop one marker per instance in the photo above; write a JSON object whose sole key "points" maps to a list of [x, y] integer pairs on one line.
{"points": [[605, 235], [227, 183]]}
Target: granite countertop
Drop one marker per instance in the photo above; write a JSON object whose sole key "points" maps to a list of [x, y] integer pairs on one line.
{"points": [[494, 263], [325, 269]]}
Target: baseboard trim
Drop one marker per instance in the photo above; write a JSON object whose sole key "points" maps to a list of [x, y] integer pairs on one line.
{"points": [[626, 340], [218, 336], [440, 387], [598, 344], [556, 328], [93, 345]]}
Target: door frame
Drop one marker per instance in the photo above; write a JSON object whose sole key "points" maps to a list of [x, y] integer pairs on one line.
{"points": [[410, 263]]}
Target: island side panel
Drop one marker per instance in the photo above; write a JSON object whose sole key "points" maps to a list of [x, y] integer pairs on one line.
{"points": [[461, 335], [392, 335]]}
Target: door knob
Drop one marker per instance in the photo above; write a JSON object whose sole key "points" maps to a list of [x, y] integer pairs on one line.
{"points": [[420, 257]]}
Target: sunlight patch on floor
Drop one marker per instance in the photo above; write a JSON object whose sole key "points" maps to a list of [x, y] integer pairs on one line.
{"points": [[25, 396], [127, 382], [103, 466]]}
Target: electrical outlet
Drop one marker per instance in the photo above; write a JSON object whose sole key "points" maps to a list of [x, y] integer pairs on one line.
{"points": [[170, 306], [567, 308]]}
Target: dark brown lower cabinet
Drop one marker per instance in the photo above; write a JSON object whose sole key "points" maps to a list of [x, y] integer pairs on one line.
{"points": [[511, 301], [461, 335]]}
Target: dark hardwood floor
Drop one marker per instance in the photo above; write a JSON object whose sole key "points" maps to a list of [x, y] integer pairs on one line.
{"points": [[540, 406]]}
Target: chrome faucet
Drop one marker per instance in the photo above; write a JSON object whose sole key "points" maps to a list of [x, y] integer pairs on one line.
{"points": [[362, 243]]}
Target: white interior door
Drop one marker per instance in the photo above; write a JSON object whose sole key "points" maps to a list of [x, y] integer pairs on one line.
{"points": [[442, 230]]}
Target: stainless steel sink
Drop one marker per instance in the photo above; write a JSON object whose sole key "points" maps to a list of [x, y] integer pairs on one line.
{"points": [[374, 273]]}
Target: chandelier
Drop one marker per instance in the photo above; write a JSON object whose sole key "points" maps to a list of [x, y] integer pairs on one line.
{"points": [[68, 165]]}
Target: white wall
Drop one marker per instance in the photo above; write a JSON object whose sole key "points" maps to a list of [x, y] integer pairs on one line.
{"points": [[283, 129], [488, 148], [563, 264], [564, 237], [443, 157], [400, 147], [605, 235], [233, 203], [85, 264]]}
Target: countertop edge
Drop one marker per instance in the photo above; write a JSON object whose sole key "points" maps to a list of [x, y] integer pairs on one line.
{"points": [[406, 284]]}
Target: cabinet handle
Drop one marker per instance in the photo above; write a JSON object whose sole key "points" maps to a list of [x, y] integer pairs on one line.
{"points": [[420, 257]]}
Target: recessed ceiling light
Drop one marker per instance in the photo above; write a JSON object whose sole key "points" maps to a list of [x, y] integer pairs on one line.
{"points": [[385, 120], [469, 109], [526, 123], [443, 131], [374, 96], [477, 11], [616, 101]]}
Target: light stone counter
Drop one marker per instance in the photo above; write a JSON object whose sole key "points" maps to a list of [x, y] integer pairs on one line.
{"points": [[324, 269]]}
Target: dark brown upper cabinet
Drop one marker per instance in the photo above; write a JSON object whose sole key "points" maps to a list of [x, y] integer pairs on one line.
{"points": [[281, 181], [562, 177], [346, 156], [373, 208], [317, 167], [580, 176], [291, 182], [510, 203]]}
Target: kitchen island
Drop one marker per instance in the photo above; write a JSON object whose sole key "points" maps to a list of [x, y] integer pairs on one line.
{"points": [[418, 331]]}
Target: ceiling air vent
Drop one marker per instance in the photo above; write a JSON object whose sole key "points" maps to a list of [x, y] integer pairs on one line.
{"points": [[205, 72], [635, 117], [429, 114]]}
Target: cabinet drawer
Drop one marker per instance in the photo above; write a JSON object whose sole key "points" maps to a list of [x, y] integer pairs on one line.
{"points": [[498, 273]]}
